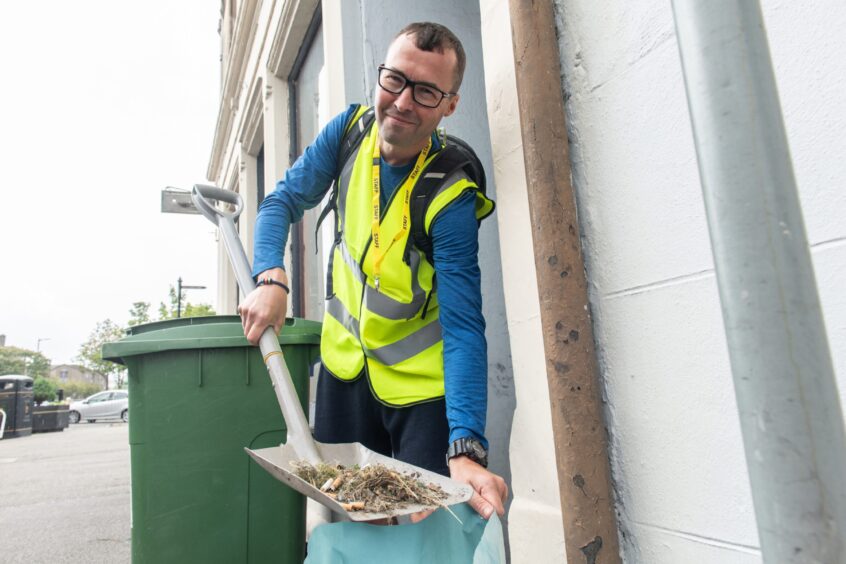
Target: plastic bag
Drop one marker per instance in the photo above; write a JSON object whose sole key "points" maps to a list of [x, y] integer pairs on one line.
{"points": [[438, 538]]}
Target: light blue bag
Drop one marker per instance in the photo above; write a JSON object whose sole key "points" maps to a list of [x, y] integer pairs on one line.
{"points": [[438, 538]]}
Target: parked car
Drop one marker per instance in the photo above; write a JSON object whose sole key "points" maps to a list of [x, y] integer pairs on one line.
{"points": [[111, 404]]}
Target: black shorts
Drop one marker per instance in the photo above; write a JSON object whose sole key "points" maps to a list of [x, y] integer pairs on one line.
{"points": [[348, 412]]}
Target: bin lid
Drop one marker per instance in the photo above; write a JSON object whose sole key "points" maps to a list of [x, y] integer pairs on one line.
{"points": [[15, 377], [216, 331]]}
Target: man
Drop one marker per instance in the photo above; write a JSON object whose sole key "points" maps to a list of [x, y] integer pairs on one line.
{"points": [[404, 368]]}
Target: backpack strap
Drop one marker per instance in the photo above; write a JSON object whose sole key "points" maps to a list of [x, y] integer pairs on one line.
{"points": [[455, 156], [354, 132]]}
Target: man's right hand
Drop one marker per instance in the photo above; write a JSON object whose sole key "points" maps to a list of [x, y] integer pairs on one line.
{"points": [[489, 490], [265, 306]]}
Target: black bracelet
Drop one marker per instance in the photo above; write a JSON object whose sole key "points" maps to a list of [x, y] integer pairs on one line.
{"points": [[265, 281]]}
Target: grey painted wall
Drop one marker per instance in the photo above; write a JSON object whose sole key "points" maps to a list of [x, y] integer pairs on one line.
{"points": [[369, 29]]}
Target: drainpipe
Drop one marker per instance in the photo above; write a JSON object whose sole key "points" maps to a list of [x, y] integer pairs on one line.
{"points": [[581, 450], [787, 397]]}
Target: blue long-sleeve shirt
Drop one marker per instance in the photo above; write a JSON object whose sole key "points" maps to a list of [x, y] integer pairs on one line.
{"points": [[455, 246]]}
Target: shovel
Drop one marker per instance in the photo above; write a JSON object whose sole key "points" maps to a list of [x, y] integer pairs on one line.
{"points": [[300, 445]]}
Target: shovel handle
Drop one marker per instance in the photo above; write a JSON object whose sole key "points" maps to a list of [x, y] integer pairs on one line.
{"points": [[201, 195], [299, 435]]}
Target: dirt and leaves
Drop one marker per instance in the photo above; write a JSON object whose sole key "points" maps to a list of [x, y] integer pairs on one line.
{"points": [[374, 488]]}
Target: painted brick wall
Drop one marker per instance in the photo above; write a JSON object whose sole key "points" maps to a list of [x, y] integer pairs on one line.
{"points": [[679, 469]]}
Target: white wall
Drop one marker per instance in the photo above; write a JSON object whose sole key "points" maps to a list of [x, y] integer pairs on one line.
{"points": [[679, 469]]}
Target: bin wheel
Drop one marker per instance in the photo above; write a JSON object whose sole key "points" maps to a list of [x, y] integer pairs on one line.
{"points": [[90, 420], [73, 417], [124, 416]]}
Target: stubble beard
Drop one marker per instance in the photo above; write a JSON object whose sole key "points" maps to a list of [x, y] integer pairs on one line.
{"points": [[397, 137]]}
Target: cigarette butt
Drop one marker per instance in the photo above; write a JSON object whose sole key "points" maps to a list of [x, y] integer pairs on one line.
{"points": [[337, 483], [326, 485], [354, 506]]}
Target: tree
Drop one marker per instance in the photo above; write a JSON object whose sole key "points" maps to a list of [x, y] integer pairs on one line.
{"points": [[188, 309], [140, 313], [14, 360], [91, 354], [79, 390]]}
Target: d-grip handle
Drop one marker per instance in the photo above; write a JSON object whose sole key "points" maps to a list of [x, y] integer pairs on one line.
{"points": [[201, 195], [204, 198]]}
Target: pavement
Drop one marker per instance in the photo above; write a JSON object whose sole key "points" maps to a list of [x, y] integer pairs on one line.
{"points": [[64, 496]]}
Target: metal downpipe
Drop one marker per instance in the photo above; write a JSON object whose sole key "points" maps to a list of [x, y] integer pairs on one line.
{"points": [[787, 397], [590, 530]]}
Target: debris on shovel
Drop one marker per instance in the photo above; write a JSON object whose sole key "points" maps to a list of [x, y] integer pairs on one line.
{"points": [[373, 488]]}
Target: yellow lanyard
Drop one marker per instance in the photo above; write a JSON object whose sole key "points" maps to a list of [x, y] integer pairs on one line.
{"points": [[378, 254]]}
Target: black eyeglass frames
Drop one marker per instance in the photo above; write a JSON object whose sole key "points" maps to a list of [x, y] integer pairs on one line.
{"points": [[423, 93]]}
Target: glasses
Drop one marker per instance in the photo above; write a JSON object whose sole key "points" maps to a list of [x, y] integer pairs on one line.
{"points": [[423, 93]]}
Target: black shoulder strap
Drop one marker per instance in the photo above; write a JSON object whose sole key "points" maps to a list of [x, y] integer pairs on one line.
{"points": [[454, 156], [354, 132]]}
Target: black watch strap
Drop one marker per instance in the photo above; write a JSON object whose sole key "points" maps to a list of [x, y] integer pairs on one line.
{"points": [[469, 447]]}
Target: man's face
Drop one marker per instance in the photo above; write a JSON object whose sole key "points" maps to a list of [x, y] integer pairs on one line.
{"points": [[403, 123]]}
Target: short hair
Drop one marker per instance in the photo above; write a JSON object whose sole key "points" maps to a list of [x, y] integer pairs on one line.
{"points": [[430, 36]]}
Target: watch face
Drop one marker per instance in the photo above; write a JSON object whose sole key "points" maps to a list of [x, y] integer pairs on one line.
{"points": [[471, 448], [481, 455]]}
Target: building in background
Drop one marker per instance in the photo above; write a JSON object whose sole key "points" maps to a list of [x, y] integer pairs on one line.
{"points": [[680, 484], [75, 373]]}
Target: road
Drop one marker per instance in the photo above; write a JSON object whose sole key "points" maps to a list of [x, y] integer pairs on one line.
{"points": [[64, 496]]}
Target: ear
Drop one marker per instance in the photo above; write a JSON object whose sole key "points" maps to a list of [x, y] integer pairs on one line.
{"points": [[451, 105]]}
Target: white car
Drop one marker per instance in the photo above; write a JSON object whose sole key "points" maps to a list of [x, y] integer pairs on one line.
{"points": [[111, 404]]}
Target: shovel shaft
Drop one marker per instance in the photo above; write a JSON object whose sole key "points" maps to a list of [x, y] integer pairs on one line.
{"points": [[299, 434]]}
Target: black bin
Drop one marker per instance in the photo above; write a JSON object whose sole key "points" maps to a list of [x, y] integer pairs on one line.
{"points": [[16, 396]]}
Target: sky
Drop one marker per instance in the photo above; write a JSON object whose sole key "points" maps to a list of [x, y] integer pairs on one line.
{"points": [[102, 105]]}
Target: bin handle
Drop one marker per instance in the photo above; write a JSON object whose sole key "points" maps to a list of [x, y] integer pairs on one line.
{"points": [[299, 434]]}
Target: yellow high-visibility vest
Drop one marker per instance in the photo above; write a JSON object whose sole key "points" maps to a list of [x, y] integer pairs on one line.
{"points": [[384, 331]]}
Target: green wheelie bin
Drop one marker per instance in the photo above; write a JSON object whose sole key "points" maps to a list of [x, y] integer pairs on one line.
{"points": [[198, 395]]}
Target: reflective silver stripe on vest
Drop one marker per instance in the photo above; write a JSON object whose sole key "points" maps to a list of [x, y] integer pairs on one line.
{"points": [[456, 176], [350, 261], [409, 346], [336, 309], [381, 304], [394, 353], [343, 188], [389, 308]]}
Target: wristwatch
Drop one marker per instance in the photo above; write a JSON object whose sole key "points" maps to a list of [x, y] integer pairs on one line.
{"points": [[470, 448]]}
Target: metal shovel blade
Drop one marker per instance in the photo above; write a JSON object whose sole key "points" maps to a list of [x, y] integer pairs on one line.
{"points": [[277, 461]]}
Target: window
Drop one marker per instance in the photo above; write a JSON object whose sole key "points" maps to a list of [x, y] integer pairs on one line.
{"points": [[260, 177], [63, 374], [303, 82]]}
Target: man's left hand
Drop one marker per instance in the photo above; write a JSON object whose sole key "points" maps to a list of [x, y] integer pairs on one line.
{"points": [[489, 490]]}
